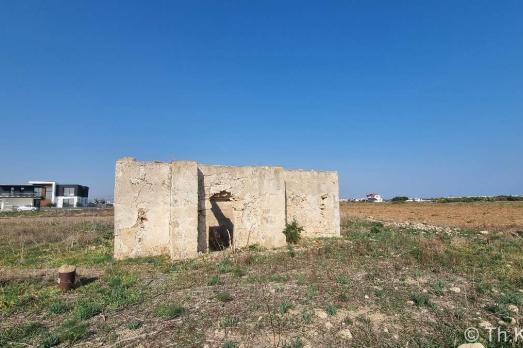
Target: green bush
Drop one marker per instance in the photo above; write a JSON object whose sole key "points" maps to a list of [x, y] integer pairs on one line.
{"points": [[293, 232]]}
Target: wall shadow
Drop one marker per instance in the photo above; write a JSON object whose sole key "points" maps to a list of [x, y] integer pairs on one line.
{"points": [[202, 233]]}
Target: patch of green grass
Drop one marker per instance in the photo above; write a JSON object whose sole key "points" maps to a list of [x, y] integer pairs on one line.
{"points": [[214, 280], [157, 261], [375, 229], [225, 265], [120, 289], [239, 272], [438, 287], [312, 291], [49, 340], [501, 311], [285, 306], [255, 248], [290, 250], [331, 309], [21, 332], [87, 309], [223, 296], [229, 322], [342, 279], [230, 344], [511, 297], [94, 256], [169, 311], [72, 331], [482, 287], [307, 316], [134, 324], [53, 254], [421, 300], [59, 307], [279, 278], [379, 293], [301, 279], [25, 295]]}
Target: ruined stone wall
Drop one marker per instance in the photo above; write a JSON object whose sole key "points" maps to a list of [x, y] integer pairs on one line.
{"points": [[312, 199], [256, 206], [179, 208]]}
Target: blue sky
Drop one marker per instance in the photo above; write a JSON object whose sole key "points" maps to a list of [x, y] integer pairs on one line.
{"points": [[418, 98]]}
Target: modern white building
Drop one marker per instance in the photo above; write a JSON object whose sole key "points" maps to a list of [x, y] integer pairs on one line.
{"points": [[374, 197], [43, 194], [61, 195]]}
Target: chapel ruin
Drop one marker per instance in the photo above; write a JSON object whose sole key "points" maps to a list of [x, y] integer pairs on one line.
{"points": [[182, 208]]}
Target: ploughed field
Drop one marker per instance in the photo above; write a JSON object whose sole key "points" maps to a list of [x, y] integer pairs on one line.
{"points": [[490, 216], [384, 283]]}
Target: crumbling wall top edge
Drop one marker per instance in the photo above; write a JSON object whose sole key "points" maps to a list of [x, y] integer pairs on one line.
{"points": [[312, 171], [245, 167], [132, 159]]}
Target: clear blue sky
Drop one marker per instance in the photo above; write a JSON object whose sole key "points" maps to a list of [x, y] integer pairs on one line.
{"points": [[420, 98]]}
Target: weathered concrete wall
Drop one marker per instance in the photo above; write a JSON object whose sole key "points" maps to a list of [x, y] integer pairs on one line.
{"points": [[255, 207], [142, 205], [175, 208], [313, 200], [184, 210]]}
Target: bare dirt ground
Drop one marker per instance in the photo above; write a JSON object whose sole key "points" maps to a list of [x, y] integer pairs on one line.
{"points": [[490, 216], [378, 285]]}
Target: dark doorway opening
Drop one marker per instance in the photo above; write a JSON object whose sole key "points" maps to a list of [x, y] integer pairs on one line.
{"points": [[221, 234]]}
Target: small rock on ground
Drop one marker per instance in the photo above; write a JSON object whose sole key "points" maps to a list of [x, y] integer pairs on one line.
{"points": [[321, 314], [345, 333], [513, 308]]}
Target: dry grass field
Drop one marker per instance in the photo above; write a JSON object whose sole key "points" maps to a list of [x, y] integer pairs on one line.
{"points": [[379, 285]]}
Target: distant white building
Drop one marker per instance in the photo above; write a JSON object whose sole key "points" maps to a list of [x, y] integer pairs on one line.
{"points": [[374, 197], [416, 199]]}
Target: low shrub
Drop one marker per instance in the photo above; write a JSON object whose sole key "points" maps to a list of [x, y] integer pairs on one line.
{"points": [[293, 232], [169, 311]]}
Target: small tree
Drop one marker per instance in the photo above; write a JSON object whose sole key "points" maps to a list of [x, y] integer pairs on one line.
{"points": [[293, 232], [399, 199]]}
